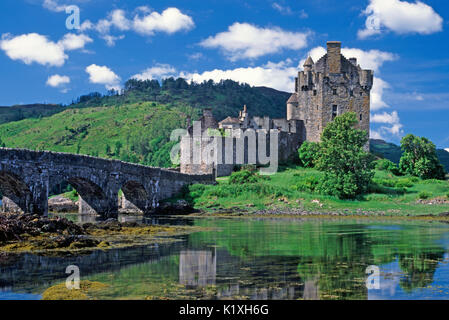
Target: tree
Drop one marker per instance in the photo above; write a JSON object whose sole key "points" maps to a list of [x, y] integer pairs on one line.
{"points": [[309, 153], [419, 158], [347, 167]]}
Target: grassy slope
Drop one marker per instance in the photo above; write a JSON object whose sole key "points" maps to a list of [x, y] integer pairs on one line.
{"points": [[280, 192], [16, 113], [91, 129]]}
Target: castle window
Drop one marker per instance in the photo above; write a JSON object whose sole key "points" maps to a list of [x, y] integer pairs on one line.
{"points": [[361, 93], [334, 111], [335, 92], [351, 93], [314, 92], [361, 117]]}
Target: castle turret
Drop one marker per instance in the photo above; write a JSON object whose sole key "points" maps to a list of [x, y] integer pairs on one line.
{"points": [[292, 105], [308, 64]]}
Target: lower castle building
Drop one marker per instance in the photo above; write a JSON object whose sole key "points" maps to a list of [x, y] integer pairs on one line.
{"points": [[323, 90]]}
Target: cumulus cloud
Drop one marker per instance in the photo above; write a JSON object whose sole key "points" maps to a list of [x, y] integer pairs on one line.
{"points": [[156, 72], [145, 22], [57, 80], [74, 41], [35, 48], [244, 40], [400, 17], [447, 149], [392, 119], [279, 76], [103, 75], [171, 20]]}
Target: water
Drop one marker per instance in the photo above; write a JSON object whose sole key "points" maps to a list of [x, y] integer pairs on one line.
{"points": [[257, 259]]}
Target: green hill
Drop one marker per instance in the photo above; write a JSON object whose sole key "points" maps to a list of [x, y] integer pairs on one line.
{"points": [[135, 126], [393, 152], [20, 112]]}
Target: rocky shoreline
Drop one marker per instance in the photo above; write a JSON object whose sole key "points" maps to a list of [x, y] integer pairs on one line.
{"points": [[32, 233]]}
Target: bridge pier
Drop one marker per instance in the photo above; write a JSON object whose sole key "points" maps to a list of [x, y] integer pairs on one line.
{"points": [[107, 208]]}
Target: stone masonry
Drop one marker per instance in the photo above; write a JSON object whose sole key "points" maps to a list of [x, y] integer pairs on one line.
{"points": [[330, 87], [26, 177]]}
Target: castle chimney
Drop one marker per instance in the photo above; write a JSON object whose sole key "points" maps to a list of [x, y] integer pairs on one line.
{"points": [[334, 56], [244, 109]]}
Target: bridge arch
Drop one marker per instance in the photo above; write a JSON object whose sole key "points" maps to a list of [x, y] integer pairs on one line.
{"points": [[93, 199], [17, 196], [136, 196]]}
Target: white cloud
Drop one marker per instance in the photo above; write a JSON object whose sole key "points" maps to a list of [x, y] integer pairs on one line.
{"points": [[377, 101], [243, 40], [33, 47], [53, 5], [157, 72], [110, 40], [171, 20], [447, 149], [103, 75], [146, 22], [57, 80], [392, 119], [400, 17], [279, 76], [74, 41]]}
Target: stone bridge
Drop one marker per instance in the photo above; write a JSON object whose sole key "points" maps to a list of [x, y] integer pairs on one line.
{"points": [[27, 176]]}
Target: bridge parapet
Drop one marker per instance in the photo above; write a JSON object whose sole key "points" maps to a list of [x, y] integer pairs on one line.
{"points": [[26, 176]]}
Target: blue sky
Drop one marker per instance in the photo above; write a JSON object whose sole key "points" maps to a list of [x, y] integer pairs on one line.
{"points": [[260, 42]]}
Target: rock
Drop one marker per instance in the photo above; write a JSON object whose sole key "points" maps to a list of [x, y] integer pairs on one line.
{"points": [[178, 208], [61, 204]]}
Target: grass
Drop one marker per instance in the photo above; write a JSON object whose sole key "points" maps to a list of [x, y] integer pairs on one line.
{"points": [[391, 195]]}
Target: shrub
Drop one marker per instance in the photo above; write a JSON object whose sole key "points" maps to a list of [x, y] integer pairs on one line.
{"points": [[447, 195], [424, 195], [310, 183], [387, 165], [246, 176], [308, 153]]}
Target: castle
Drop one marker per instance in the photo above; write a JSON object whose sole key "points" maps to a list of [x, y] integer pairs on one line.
{"points": [[325, 89]]}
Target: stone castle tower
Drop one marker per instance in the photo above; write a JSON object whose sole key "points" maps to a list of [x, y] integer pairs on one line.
{"points": [[330, 87], [325, 89]]}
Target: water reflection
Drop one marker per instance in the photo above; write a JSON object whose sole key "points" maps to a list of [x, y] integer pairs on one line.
{"points": [[259, 259]]}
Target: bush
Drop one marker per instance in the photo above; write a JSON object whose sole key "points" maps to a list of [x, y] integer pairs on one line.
{"points": [[309, 184], [447, 195], [387, 165], [308, 153], [246, 176], [424, 195]]}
